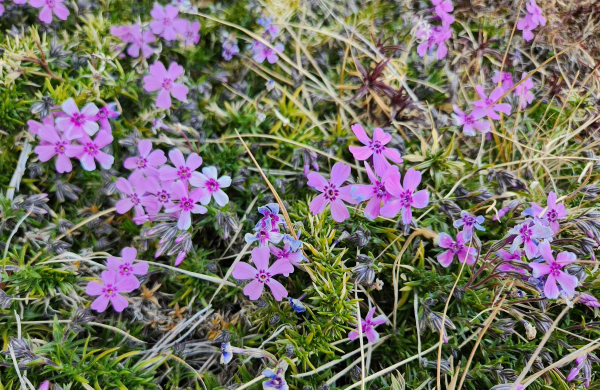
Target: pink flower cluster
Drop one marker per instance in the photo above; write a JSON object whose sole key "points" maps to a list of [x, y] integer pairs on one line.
{"points": [[168, 25], [533, 17], [120, 277], [436, 36], [178, 189], [67, 133], [262, 52]]}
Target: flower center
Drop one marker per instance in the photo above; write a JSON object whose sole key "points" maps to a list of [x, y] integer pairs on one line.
{"points": [[167, 84], [489, 102], [163, 196], [552, 215], [526, 233], [379, 190], [468, 220], [184, 173], [212, 185], [469, 119], [135, 199], [60, 147], [110, 291], [167, 21], [77, 118], [186, 204], [91, 148], [555, 269], [406, 199], [331, 192], [456, 247], [263, 276], [51, 3], [125, 269], [142, 163], [377, 147]]}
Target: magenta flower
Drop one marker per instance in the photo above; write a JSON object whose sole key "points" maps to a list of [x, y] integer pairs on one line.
{"points": [[49, 6], [469, 122], [523, 91], [508, 256], [35, 126], [163, 79], [123, 32], [260, 52], [146, 164], [455, 248], [527, 25], [375, 193], [161, 190], [528, 233], [263, 274], [140, 40], [552, 268], [212, 185], [190, 31], [89, 151], [332, 192], [505, 78], [56, 145], [406, 197], [536, 13], [110, 291], [443, 9], [104, 114], [1, 9], [76, 123], [468, 222], [165, 21], [183, 170], [488, 106], [438, 35], [187, 203], [125, 266], [264, 233], [551, 213], [287, 253], [133, 197], [375, 147], [368, 326], [45, 384]]}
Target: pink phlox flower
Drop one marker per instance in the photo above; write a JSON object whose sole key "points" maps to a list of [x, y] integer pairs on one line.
{"points": [[110, 290], [469, 122], [76, 123], [488, 106], [508, 256], [125, 266], [89, 151], [536, 13], [45, 384], [146, 164], [523, 91], [375, 147], [469, 221], [443, 9], [165, 20], [529, 233], [375, 193], [50, 6], [56, 145], [287, 253], [164, 80], [35, 126], [551, 213], [271, 211], [506, 80], [140, 41], [187, 203], [261, 52], [105, 113], [588, 300], [271, 29], [405, 196], [264, 234], [368, 326], [134, 196], [212, 185], [161, 190], [184, 169], [263, 274], [123, 32], [437, 37], [527, 25], [455, 248], [190, 31], [552, 268], [332, 192]]}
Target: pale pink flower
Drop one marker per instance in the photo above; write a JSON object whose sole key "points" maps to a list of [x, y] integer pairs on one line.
{"points": [[76, 123], [49, 6], [508, 256], [588, 300], [107, 112], [89, 151], [140, 40], [529, 233], [123, 32], [551, 213], [264, 233], [405, 197], [110, 291], [146, 164], [263, 274], [161, 190], [455, 248], [332, 192], [164, 80], [35, 126], [375, 147], [208, 181], [523, 91], [45, 384], [287, 253], [527, 25], [134, 197], [536, 13], [368, 326], [552, 268], [190, 31], [261, 52], [184, 169], [469, 122], [187, 203], [488, 106], [505, 79], [125, 266], [443, 9], [165, 21], [438, 35], [56, 145]]}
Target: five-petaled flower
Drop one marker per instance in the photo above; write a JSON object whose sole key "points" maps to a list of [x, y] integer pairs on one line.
{"points": [[553, 268], [263, 274], [368, 326], [164, 80], [264, 233], [133, 196], [375, 147], [528, 233], [110, 291], [104, 114], [332, 192], [469, 221], [88, 152], [190, 31], [49, 6], [165, 21], [488, 106], [551, 213], [187, 203], [77, 123], [212, 185], [375, 193], [55, 145], [405, 197], [125, 266], [184, 169], [469, 122], [146, 165], [455, 248]]}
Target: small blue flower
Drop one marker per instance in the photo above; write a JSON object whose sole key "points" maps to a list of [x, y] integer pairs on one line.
{"points": [[297, 305], [277, 381], [226, 353]]}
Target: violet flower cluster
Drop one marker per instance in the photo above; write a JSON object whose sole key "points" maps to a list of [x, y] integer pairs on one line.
{"points": [[262, 52], [433, 37], [533, 18]]}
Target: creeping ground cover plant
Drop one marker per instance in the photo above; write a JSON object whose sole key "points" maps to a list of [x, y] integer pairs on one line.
{"points": [[299, 195]]}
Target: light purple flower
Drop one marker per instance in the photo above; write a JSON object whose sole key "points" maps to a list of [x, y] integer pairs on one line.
{"points": [[261, 52], [469, 122], [104, 114], [187, 203], [76, 123], [132, 196], [368, 326], [468, 221], [506, 82], [443, 9], [375, 192], [110, 291], [271, 211], [140, 41], [582, 362], [511, 205], [276, 381], [523, 91], [146, 164], [536, 13], [164, 80], [332, 192], [125, 266], [230, 49], [488, 106], [190, 31], [455, 248], [552, 268], [161, 190], [551, 213], [35, 126], [1, 9], [527, 25], [271, 29], [528, 233], [588, 300], [45, 384], [375, 147], [49, 6], [212, 185], [56, 145], [438, 35], [88, 152], [405, 197], [184, 169], [508, 256], [287, 253], [264, 233], [263, 274], [123, 32], [165, 20]]}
